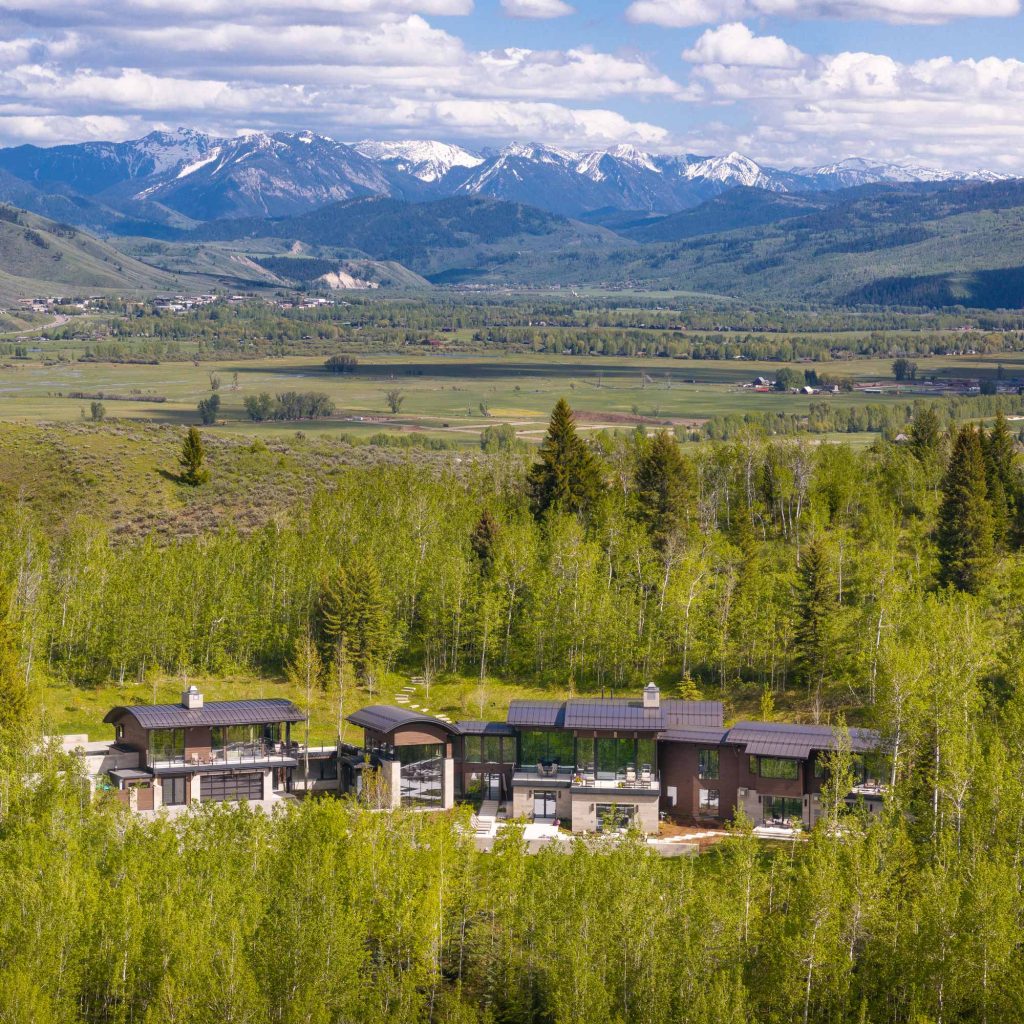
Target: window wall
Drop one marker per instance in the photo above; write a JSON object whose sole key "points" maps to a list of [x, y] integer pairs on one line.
{"points": [[545, 747], [775, 767], [422, 774], [167, 745], [609, 757]]}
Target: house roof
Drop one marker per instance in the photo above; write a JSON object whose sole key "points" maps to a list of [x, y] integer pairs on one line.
{"points": [[613, 713], [545, 713], [781, 739], [476, 728], [681, 713], [214, 712], [709, 734], [386, 718]]}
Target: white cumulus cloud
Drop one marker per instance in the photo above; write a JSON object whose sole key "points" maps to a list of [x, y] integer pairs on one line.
{"points": [[735, 44], [537, 8], [686, 13]]}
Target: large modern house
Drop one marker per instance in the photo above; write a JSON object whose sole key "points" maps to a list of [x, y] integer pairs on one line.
{"points": [[594, 762], [170, 755], [587, 763]]}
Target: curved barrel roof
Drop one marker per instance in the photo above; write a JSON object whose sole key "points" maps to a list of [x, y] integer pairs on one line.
{"points": [[386, 718], [214, 712]]}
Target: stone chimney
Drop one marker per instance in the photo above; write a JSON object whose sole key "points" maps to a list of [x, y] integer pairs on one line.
{"points": [[652, 696], [192, 698]]}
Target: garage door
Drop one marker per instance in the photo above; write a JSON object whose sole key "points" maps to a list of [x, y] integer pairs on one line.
{"points": [[243, 786]]}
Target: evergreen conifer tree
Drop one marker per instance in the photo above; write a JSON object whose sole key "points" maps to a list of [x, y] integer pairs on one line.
{"points": [[925, 433], [568, 476], [483, 539], [354, 621], [664, 479], [965, 530], [815, 600], [193, 459], [1001, 479]]}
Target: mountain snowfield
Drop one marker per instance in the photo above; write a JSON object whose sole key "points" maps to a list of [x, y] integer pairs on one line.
{"points": [[200, 177]]}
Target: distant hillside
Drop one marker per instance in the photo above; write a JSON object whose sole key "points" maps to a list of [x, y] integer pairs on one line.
{"points": [[916, 244], [43, 256], [455, 238]]}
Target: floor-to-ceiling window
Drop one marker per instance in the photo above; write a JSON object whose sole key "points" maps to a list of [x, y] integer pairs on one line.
{"points": [[422, 774], [167, 745]]}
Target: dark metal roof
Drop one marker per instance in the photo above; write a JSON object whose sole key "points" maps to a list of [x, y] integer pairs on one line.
{"points": [[710, 734], [781, 739], [476, 728], [692, 712], [385, 718], [544, 713], [613, 714], [214, 712]]}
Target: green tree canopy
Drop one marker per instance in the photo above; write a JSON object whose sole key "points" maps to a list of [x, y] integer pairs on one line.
{"points": [[568, 476], [193, 459], [965, 530]]}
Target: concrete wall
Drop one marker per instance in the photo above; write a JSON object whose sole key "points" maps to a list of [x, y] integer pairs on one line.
{"points": [[584, 810], [522, 800], [448, 784]]}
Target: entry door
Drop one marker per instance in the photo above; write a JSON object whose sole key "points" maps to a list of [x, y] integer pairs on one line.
{"points": [[492, 786], [543, 804]]}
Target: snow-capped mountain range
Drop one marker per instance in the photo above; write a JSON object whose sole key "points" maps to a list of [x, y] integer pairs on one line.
{"points": [[187, 176]]}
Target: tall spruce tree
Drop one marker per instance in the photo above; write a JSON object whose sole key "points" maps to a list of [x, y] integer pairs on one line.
{"points": [[353, 619], [1001, 478], [194, 470], [965, 529], [664, 481], [815, 603], [925, 433], [568, 476]]}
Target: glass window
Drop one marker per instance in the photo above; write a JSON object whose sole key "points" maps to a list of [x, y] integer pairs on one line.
{"points": [[645, 753], [783, 809], [173, 790], [707, 764], [709, 801], [422, 774], [752, 764], [613, 756], [779, 768], [418, 752], [546, 747], [471, 749], [615, 816], [492, 749], [167, 745], [532, 747], [244, 786]]}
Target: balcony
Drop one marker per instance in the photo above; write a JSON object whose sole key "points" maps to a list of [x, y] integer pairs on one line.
{"points": [[229, 757], [587, 780]]}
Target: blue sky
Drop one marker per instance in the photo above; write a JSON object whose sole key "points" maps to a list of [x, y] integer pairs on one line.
{"points": [[788, 82]]}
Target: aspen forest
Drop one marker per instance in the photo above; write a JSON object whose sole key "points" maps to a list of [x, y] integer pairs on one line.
{"points": [[878, 586]]}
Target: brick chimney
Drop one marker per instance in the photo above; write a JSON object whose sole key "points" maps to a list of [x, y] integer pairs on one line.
{"points": [[652, 696], [192, 699]]}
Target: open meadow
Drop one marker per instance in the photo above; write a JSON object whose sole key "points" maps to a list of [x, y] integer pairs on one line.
{"points": [[450, 396]]}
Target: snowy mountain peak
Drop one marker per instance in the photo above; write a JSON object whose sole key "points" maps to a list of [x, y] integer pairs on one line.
{"points": [[426, 160], [734, 169]]}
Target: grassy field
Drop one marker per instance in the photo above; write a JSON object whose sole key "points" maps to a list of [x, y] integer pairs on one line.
{"points": [[72, 709], [443, 395]]}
